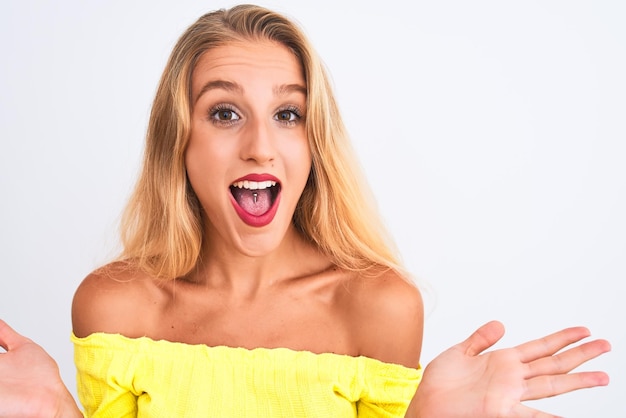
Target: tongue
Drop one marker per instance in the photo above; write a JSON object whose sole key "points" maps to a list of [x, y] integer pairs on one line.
{"points": [[253, 205]]}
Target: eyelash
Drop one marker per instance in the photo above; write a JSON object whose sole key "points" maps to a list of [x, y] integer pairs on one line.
{"points": [[215, 110], [294, 110]]}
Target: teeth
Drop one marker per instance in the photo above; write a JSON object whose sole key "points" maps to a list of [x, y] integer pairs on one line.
{"points": [[254, 185]]}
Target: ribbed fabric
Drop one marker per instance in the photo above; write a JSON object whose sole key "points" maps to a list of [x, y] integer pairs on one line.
{"points": [[126, 377]]}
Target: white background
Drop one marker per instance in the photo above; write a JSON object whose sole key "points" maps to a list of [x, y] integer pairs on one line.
{"points": [[493, 133]]}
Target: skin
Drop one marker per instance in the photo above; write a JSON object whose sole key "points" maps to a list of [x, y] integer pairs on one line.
{"points": [[30, 384], [465, 381], [257, 286], [240, 126], [268, 287]]}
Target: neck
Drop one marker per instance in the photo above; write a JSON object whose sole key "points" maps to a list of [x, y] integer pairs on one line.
{"points": [[234, 270]]}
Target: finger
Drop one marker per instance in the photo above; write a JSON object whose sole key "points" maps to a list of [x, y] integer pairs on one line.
{"points": [[568, 360], [483, 338], [546, 386], [8, 337], [550, 344]]}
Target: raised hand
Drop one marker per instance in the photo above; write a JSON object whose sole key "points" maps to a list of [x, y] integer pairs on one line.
{"points": [[465, 382], [30, 384]]}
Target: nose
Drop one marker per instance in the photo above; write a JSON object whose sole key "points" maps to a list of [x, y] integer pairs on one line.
{"points": [[257, 141]]}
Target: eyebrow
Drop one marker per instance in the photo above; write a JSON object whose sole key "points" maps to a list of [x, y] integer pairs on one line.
{"points": [[219, 84], [285, 89], [282, 90]]}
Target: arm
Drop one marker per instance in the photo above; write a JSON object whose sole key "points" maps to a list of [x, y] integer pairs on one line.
{"points": [[388, 316], [465, 382], [114, 299], [30, 384]]}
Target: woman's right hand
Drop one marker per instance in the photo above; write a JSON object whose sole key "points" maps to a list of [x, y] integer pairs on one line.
{"points": [[30, 383]]}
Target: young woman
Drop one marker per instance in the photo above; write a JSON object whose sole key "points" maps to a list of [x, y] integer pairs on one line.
{"points": [[256, 278]]}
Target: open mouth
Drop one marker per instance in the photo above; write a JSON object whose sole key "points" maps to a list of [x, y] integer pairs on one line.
{"points": [[255, 197]]}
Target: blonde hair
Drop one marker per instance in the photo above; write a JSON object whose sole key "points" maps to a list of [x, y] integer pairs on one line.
{"points": [[162, 229]]}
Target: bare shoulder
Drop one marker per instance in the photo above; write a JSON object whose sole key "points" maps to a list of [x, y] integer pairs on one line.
{"points": [[388, 316], [114, 299]]}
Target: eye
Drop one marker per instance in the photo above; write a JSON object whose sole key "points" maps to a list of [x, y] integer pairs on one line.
{"points": [[286, 115], [289, 115], [223, 114], [226, 115]]}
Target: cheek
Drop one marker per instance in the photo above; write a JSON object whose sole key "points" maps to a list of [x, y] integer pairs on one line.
{"points": [[294, 148], [193, 165], [202, 164], [206, 156], [298, 170], [305, 161]]}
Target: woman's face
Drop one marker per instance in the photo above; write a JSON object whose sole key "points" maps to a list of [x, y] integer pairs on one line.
{"points": [[248, 157]]}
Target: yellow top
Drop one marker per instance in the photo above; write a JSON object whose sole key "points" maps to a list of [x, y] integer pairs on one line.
{"points": [[126, 377]]}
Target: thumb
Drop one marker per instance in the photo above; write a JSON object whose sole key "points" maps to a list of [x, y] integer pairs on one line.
{"points": [[483, 338], [9, 339]]}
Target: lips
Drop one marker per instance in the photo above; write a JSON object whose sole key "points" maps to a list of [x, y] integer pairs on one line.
{"points": [[256, 198]]}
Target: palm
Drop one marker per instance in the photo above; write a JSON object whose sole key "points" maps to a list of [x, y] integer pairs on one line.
{"points": [[29, 378], [490, 382], [462, 382]]}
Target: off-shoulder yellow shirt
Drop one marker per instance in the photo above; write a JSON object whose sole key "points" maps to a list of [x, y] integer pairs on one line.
{"points": [[139, 377]]}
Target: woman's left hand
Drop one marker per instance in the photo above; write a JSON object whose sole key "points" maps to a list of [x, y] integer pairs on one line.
{"points": [[465, 382]]}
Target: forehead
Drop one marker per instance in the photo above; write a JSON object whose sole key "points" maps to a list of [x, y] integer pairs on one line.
{"points": [[248, 61]]}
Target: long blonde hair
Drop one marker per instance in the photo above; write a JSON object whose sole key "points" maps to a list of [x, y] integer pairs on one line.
{"points": [[162, 229]]}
